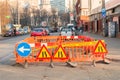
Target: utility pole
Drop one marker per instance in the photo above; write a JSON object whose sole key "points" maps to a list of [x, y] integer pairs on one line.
{"points": [[90, 6], [70, 10], [105, 28]]}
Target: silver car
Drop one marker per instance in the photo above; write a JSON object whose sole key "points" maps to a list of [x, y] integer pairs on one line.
{"points": [[67, 32]]}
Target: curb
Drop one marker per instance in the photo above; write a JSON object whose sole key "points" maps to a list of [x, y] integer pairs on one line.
{"points": [[3, 38], [115, 58]]}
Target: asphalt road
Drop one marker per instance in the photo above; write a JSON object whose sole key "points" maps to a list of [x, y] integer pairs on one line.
{"points": [[42, 71]]}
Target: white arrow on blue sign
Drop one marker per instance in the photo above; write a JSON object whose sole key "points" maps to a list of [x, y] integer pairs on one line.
{"points": [[23, 49]]}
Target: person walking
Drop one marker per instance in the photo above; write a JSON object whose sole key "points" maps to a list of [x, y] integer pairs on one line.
{"points": [[81, 29], [14, 31]]}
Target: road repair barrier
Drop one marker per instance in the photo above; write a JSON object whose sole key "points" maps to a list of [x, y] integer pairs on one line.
{"points": [[60, 49]]}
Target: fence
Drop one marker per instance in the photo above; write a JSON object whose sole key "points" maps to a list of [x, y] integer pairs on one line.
{"points": [[61, 49]]}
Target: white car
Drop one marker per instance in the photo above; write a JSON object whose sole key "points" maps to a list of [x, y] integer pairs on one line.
{"points": [[67, 32], [71, 26], [21, 31]]}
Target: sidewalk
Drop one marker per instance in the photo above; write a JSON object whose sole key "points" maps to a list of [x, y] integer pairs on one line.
{"points": [[1, 38], [115, 58], [113, 45]]}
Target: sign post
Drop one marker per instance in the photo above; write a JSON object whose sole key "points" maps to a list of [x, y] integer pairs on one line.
{"points": [[105, 27], [103, 12]]}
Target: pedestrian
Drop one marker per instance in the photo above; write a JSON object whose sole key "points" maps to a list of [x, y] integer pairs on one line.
{"points": [[82, 29], [76, 27], [14, 31]]}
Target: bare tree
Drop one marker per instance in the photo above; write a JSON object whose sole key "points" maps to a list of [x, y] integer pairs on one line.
{"points": [[64, 17], [54, 18], [44, 15], [4, 12], [13, 14], [25, 16]]}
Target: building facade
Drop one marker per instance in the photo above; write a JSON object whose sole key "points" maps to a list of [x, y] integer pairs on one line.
{"points": [[112, 18], [82, 11]]}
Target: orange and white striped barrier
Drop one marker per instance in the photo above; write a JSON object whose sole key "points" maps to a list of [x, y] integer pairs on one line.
{"points": [[60, 49]]}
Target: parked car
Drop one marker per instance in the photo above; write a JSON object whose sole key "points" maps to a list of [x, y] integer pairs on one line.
{"points": [[38, 32], [26, 29], [21, 31], [47, 28], [9, 33], [17, 33], [67, 32]]}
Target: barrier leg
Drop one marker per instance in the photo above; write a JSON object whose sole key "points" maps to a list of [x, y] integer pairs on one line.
{"points": [[105, 60], [69, 63], [94, 63], [26, 64], [51, 62], [16, 64]]}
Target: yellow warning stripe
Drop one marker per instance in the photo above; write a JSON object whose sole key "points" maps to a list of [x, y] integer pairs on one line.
{"points": [[80, 44], [73, 44]]}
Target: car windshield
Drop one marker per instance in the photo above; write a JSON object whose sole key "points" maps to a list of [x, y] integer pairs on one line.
{"points": [[38, 30], [70, 26], [66, 29], [46, 28], [20, 30]]}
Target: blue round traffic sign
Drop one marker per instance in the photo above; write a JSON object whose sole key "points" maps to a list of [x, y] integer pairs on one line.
{"points": [[103, 12], [23, 49]]}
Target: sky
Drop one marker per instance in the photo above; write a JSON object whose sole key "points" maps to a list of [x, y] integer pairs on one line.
{"points": [[106, 0]]}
